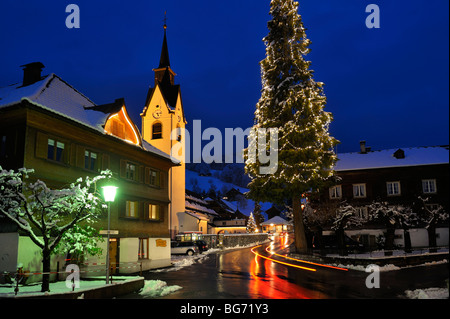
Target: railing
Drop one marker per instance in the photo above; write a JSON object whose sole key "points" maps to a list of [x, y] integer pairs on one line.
{"points": [[416, 251]]}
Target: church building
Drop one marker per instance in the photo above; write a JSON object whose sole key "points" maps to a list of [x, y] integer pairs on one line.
{"points": [[163, 126]]}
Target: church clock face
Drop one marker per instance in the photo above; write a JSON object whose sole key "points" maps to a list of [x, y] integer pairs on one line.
{"points": [[157, 114]]}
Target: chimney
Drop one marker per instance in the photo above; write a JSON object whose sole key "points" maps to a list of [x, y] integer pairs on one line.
{"points": [[32, 72], [362, 145]]}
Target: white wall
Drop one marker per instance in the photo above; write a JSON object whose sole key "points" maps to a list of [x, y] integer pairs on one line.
{"points": [[442, 239], [8, 251]]}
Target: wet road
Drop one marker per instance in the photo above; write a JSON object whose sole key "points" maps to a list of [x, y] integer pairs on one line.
{"points": [[256, 273]]}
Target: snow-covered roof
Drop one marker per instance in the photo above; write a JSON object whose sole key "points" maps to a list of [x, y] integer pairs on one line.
{"points": [[57, 96], [277, 220], [200, 208], [414, 156], [196, 215]]}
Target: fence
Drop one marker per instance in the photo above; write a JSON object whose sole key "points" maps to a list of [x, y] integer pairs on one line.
{"points": [[419, 251], [234, 240]]}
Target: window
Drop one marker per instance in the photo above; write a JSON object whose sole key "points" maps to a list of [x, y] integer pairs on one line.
{"points": [[429, 186], [336, 192], [132, 208], [90, 160], [157, 131], [143, 248], [153, 177], [55, 150], [393, 188], [154, 212], [362, 212], [178, 133], [131, 171], [359, 190]]}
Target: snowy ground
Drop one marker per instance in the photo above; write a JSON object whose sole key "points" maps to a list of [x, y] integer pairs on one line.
{"points": [[430, 293], [57, 287], [151, 289]]}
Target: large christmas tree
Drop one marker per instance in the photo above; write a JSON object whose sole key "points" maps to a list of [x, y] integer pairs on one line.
{"points": [[293, 103]]}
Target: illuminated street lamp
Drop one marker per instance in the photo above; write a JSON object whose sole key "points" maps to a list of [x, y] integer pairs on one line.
{"points": [[109, 193]]}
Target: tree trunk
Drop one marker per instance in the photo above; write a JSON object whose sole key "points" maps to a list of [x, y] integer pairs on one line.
{"points": [[390, 236], [45, 269], [407, 237], [301, 245], [432, 244], [340, 233]]}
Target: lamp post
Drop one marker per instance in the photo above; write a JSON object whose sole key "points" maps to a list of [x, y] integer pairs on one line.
{"points": [[109, 193]]}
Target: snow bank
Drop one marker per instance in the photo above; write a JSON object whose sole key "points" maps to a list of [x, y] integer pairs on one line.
{"points": [[157, 288], [430, 293]]}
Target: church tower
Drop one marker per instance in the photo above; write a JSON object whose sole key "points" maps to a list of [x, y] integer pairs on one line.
{"points": [[163, 124]]}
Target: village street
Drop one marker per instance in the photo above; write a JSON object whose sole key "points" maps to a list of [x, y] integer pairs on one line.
{"points": [[242, 274]]}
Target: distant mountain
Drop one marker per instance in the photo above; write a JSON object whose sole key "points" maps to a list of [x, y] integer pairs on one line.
{"points": [[209, 185]]}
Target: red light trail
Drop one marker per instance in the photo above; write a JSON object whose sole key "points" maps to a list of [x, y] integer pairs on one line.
{"points": [[307, 262], [280, 262]]}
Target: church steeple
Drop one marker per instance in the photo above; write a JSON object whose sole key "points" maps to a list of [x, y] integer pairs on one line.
{"points": [[164, 62]]}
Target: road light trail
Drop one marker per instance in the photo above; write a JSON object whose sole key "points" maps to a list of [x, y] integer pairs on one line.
{"points": [[306, 262], [280, 262]]}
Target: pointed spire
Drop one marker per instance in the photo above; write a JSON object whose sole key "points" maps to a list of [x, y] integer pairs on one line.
{"points": [[164, 60]]}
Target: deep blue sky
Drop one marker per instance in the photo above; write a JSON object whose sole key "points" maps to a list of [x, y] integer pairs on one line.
{"points": [[388, 86]]}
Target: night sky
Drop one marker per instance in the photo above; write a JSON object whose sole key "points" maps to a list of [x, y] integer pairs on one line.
{"points": [[389, 86]]}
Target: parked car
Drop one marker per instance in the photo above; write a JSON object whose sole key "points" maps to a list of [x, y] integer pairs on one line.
{"points": [[330, 242], [202, 245], [184, 248]]}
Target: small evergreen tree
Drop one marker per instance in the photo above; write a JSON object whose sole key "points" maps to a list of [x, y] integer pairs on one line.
{"points": [[251, 224], [293, 103]]}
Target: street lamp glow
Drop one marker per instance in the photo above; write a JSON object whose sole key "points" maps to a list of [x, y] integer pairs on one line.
{"points": [[109, 193]]}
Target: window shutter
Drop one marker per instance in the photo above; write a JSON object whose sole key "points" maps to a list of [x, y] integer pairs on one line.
{"points": [[162, 210], [123, 168], [41, 145], [105, 161], [141, 210], [147, 176], [80, 156], [146, 211], [162, 179], [140, 178]]}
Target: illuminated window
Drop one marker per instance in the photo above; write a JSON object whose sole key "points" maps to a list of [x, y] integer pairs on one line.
{"points": [[55, 150], [132, 209], [143, 248], [429, 186], [393, 188], [154, 212], [359, 190], [90, 160], [157, 131], [335, 192]]}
